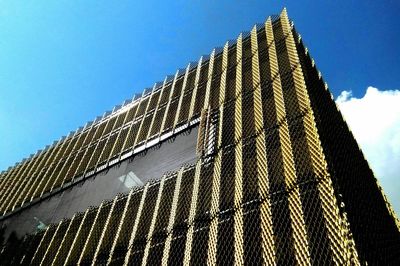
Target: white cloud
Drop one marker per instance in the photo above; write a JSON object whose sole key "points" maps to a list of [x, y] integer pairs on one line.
{"points": [[375, 122]]}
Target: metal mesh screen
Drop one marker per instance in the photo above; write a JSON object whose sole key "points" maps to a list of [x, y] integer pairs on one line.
{"points": [[279, 179]]}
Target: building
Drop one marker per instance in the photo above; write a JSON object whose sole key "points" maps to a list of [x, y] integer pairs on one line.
{"points": [[252, 160]]}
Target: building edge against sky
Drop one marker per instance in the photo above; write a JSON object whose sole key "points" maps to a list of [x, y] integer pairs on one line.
{"points": [[278, 174]]}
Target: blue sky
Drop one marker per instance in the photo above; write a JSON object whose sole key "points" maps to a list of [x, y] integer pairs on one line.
{"points": [[62, 63]]}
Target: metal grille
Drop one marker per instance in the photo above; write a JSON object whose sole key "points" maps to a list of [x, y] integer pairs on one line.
{"points": [[279, 178]]}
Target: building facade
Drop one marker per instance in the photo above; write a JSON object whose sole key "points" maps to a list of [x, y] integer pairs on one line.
{"points": [[241, 158]]}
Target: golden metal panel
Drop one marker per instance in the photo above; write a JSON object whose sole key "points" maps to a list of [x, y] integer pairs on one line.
{"points": [[92, 240], [167, 246], [167, 110], [268, 245], [196, 83], [41, 249], [209, 80], [238, 186], [136, 224], [49, 173], [143, 130], [184, 88], [67, 240], [130, 139], [32, 173], [37, 174], [158, 116], [23, 180], [42, 176], [213, 228], [9, 194], [153, 222], [81, 236], [298, 224], [192, 213], [131, 207], [330, 209], [53, 246]]}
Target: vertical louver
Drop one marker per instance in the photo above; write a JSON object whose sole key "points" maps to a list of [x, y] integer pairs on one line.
{"points": [[279, 178]]}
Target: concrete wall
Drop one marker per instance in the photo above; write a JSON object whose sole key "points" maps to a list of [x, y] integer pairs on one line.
{"points": [[169, 156]]}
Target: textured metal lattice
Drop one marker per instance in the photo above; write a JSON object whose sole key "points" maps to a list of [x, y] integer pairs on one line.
{"points": [[279, 179]]}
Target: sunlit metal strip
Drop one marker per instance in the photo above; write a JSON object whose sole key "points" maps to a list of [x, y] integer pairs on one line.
{"points": [[213, 232], [237, 128], [33, 179], [52, 173], [104, 230], [209, 80], [42, 245], [297, 219], [202, 132], [317, 158], [184, 88], [63, 240], [103, 149], [156, 109], [174, 205], [76, 235], [61, 176], [39, 177], [192, 214], [105, 154], [83, 138], [90, 166], [123, 217], [2, 180], [224, 74], [57, 158], [44, 156], [333, 220], [73, 171], [51, 242], [139, 133], [23, 179], [196, 85], [114, 153], [9, 194], [101, 125], [268, 245], [47, 173], [161, 116], [136, 224], [91, 133], [94, 224], [169, 102], [74, 145], [8, 180], [75, 243], [112, 119], [43, 177], [4, 177], [153, 222], [124, 148]]}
